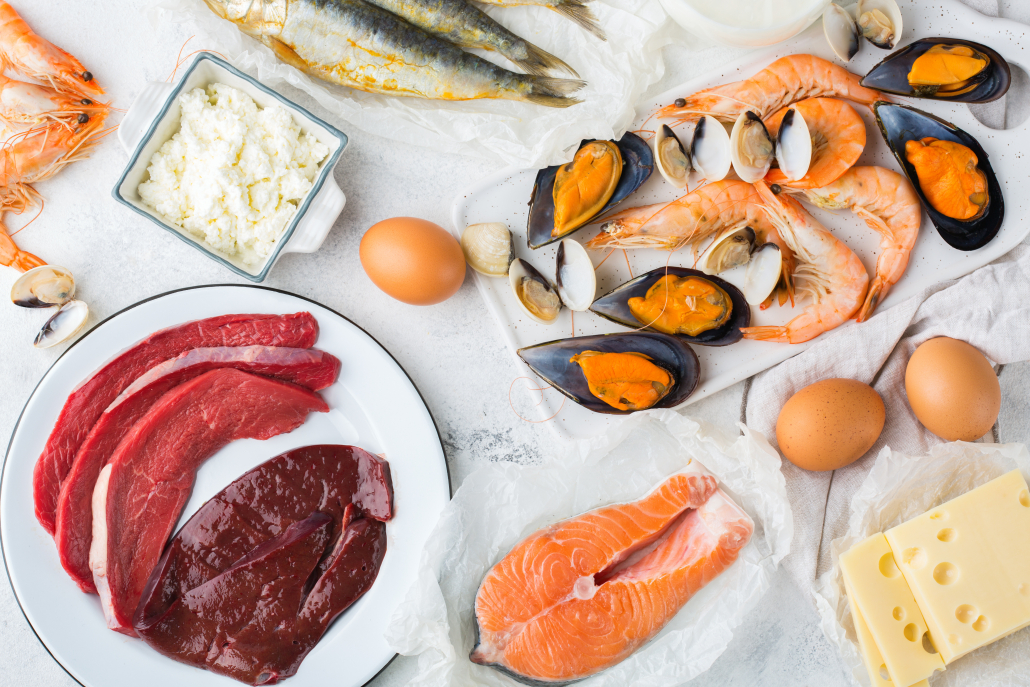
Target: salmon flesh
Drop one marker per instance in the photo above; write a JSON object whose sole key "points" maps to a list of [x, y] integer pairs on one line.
{"points": [[583, 594]]}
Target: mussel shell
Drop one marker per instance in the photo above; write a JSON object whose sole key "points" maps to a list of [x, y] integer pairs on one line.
{"points": [[899, 124], [891, 75], [614, 306], [637, 165], [551, 361]]}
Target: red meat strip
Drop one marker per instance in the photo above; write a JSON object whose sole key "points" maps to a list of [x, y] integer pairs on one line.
{"points": [[85, 405], [309, 368], [141, 492]]}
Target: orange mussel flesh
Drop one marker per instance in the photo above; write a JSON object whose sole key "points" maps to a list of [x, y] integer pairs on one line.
{"points": [[949, 177], [948, 70], [583, 187], [683, 305], [627, 381]]}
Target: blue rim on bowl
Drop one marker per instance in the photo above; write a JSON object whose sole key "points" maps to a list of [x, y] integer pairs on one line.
{"points": [[326, 168]]}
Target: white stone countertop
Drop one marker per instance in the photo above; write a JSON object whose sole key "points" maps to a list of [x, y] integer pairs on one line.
{"points": [[452, 352]]}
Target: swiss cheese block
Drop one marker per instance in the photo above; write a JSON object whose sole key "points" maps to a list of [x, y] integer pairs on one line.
{"points": [[885, 603], [871, 657], [968, 564]]}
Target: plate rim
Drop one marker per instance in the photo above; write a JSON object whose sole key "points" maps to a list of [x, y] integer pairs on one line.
{"points": [[21, 414]]}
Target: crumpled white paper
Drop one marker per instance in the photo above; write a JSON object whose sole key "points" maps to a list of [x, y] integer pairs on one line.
{"points": [[898, 488], [617, 72], [500, 504]]}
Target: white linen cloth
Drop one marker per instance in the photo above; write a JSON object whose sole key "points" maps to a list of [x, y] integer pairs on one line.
{"points": [[989, 308]]}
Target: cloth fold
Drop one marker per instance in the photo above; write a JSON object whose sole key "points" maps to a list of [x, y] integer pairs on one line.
{"points": [[989, 309]]}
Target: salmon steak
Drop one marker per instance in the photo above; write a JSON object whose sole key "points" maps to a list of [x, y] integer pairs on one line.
{"points": [[583, 594]]}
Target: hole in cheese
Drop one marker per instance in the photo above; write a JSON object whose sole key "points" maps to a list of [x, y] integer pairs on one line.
{"points": [[939, 515], [914, 558], [928, 646], [945, 573], [911, 632], [899, 613], [966, 613], [947, 534], [1024, 498], [888, 568], [884, 675], [955, 639], [981, 624]]}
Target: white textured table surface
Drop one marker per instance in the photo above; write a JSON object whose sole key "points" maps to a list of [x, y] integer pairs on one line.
{"points": [[451, 350]]}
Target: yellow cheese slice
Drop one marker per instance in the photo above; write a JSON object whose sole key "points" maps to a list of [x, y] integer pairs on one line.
{"points": [[871, 657], [885, 603], [968, 565]]}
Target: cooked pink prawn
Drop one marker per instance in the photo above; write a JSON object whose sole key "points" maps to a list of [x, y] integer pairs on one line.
{"points": [[828, 271], [783, 82], [888, 203], [38, 154], [838, 139], [10, 254], [23, 50], [26, 105]]}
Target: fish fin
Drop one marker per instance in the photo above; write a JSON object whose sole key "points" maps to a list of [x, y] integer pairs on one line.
{"points": [[577, 11], [285, 52], [540, 63], [552, 92]]}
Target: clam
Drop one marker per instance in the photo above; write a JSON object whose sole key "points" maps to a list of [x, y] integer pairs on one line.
{"points": [[671, 158], [534, 294], [752, 149], [617, 374], [700, 308], [43, 287], [710, 149], [763, 273], [841, 32], [575, 276], [879, 22], [902, 125], [488, 248], [637, 163], [793, 145], [728, 250], [63, 324], [943, 69]]}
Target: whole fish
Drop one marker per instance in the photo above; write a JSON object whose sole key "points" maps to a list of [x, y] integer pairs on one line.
{"points": [[352, 43], [468, 27], [576, 10]]}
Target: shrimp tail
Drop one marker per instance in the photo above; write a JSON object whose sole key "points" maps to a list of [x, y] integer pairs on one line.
{"points": [[577, 11], [12, 256], [780, 334], [877, 290]]}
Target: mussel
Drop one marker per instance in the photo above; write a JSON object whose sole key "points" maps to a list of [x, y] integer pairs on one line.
{"points": [[702, 309], [752, 149], [841, 32], [710, 149], [43, 287], [879, 22], [617, 374], [901, 125], [63, 324], [730, 249], [547, 225], [943, 69], [671, 157], [575, 275], [488, 248], [535, 295]]}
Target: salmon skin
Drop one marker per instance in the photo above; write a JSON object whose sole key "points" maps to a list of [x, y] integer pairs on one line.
{"points": [[582, 595]]}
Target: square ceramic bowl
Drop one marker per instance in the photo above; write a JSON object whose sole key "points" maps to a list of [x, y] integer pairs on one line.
{"points": [[796, 17], [154, 119]]}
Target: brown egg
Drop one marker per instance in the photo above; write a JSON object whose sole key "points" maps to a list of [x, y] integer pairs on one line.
{"points": [[830, 424], [413, 260], [953, 389]]}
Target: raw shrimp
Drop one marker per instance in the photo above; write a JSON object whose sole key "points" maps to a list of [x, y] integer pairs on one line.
{"points": [[35, 155], [888, 203], [828, 271], [26, 105], [710, 209], [838, 139], [783, 82], [24, 51]]}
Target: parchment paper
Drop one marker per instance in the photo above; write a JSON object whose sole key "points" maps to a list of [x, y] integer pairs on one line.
{"points": [[617, 73], [500, 504], [898, 488]]}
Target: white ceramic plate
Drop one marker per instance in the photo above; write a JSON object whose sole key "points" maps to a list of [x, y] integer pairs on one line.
{"points": [[373, 405], [503, 198]]}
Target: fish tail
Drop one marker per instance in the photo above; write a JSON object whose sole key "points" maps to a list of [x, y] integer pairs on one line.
{"points": [[540, 63], [544, 90], [577, 11]]}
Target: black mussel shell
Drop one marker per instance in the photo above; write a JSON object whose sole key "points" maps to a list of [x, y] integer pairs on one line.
{"points": [[637, 165], [891, 75], [615, 306], [899, 124], [552, 362]]}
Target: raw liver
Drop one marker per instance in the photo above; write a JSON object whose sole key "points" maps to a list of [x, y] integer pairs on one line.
{"points": [[74, 523], [199, 606], [153, 469], [89, 400]]}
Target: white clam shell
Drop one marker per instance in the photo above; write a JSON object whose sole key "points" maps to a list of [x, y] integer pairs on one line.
{"points": [[793, 145], [671, 157], [763, 273], [575, 275], [751, 148], [63, 324], [710, 149], [43, 287], [488, 248], [888, 9], [525, 282], [841, 32], [728, 250]]}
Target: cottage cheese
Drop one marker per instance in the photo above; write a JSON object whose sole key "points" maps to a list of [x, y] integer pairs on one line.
{"points": [[234, 174]]}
